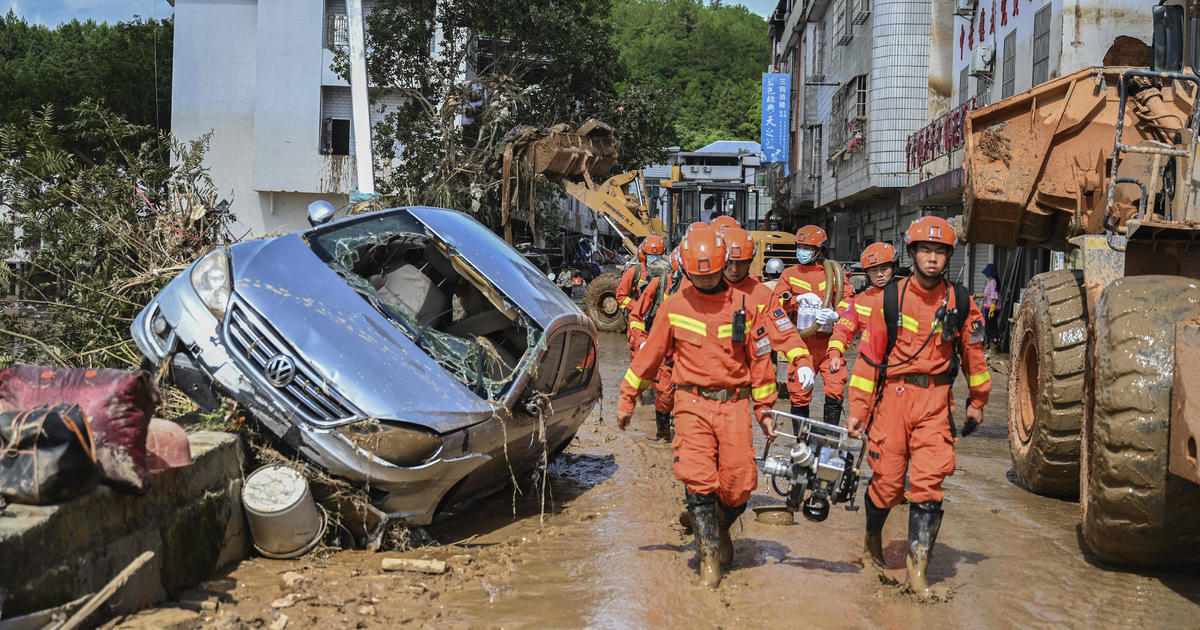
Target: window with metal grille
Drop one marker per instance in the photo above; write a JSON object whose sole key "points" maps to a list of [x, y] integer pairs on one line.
{"points": [[962, 85], [1009, 70], [842, 25], [849, 114], [814, 134], [337, 31], [1041, 46], [818, 53]]}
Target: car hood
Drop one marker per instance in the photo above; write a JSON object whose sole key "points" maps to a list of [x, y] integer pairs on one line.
{"points": [[346, 341], [503, 266]]}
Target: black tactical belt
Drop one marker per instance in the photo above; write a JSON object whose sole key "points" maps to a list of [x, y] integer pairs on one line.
{"points": [[719, 395], [925, 380]]}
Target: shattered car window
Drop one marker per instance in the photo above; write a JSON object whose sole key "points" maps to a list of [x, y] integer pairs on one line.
{"points": [[431, 295]]}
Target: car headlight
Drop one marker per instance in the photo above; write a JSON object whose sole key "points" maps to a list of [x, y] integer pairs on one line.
{"points": [[398, 444], [212, 281]]}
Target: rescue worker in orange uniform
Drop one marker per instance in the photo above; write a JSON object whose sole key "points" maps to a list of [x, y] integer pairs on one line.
{"points": [[642, 316], [806, 282], [879, 261], [900, 393], [784, 338], [633, 279], [724, 380]]}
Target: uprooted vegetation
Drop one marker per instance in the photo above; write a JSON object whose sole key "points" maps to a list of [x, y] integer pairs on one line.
{"points": [[99, 218]]}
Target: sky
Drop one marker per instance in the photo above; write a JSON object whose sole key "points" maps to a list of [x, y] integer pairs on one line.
{"points": [[55, 12]]}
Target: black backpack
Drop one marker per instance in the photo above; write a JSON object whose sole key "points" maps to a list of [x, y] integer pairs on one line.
{"points": [[954, 319]]}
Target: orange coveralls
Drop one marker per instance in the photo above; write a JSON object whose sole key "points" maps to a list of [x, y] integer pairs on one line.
{"points": [[854, 319], [664, 400], [713, 447], [626, 291], [798, 280], [912, 421], [781, 331]]}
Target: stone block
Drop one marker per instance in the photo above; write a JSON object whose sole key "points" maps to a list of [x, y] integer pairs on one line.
{"points": [[191, 518]]}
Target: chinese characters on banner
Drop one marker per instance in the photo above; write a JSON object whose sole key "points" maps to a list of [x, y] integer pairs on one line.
{"points": [[776, 100], [940, 136]]}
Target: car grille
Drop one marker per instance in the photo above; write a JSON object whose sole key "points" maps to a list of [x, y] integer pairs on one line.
{"points": [[257, 343]]}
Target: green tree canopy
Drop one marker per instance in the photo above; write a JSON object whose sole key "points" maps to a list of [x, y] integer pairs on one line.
{"points": [[126, 65], [706, 57]]}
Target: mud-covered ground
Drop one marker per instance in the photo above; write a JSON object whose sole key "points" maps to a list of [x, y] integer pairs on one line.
{"points": [[609, 554]]}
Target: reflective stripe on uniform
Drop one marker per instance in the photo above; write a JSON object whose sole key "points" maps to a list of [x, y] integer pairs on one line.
{"points": [[726, 330], [758, 393], [865, 384], [636, 382], [761, 307], [796, 352], [865, 311], [841, 347], [910, 323], [800, 283], [625, 302], [687, 323], [978, 379], [636, 324], [843, 305], [821, 287]]}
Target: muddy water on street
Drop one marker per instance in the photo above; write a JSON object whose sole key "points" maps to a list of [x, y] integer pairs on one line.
{"points": [[609, 554]]}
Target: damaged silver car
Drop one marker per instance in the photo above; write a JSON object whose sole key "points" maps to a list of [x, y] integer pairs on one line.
{"points": [[410, 351]]}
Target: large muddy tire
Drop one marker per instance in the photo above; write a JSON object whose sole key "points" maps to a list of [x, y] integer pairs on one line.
{"points": [[1137, 513], [1045, 384], [600, 303]]}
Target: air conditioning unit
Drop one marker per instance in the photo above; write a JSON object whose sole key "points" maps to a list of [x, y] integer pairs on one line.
{"points": [[862, 11], [965, 8], [981, 61]]}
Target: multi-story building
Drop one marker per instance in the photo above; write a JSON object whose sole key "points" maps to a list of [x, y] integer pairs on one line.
{"points": [[256, 75], [859, 73], [987, 50]]}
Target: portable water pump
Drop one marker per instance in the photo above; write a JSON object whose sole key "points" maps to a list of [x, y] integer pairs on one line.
{"points": [[822, 467]]}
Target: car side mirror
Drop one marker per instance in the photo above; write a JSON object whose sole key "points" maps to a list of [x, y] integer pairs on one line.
{"points": [[319, 212], [1166, 51]]}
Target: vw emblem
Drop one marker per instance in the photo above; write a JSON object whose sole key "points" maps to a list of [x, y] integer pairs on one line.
{"points": [[280, 370]]}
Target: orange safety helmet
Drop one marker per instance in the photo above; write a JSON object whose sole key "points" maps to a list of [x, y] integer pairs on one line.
{"points": [[724, 221], [931, 230], [811, 235], [653, 245], [675, 260], [695, 226], [738, 243], [703, 252], [878, 254]]}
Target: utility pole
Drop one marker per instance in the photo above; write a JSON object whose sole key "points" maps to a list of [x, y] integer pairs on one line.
{"points": [[364, 167]]}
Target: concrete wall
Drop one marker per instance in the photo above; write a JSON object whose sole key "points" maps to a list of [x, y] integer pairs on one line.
{"points": [[252, 72], [191, 518]]}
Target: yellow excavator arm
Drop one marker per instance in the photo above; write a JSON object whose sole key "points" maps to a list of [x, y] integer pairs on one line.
{"points": [[626, 210]]}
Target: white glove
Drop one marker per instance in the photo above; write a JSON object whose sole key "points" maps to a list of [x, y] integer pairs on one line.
{"points": [[827, 316], [808, 299], [805, 376]]}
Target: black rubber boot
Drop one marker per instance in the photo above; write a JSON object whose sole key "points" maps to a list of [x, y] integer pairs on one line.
{"points": [[873, 542], [798, 411], [662, 419], [703, 510], [726, 516], [924, 521], [833, 411]]}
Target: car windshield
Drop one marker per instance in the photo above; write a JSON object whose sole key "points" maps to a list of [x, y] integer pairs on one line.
{"points": [[431, 295]]}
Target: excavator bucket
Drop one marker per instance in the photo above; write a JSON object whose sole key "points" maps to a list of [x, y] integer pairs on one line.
{"points": [[562, 153]]}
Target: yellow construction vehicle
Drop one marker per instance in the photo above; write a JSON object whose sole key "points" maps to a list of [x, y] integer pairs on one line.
{"points": [[575, 159], [1103, 388]]}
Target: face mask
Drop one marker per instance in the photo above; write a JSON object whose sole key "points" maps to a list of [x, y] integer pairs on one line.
{"points": [[805, 256]]}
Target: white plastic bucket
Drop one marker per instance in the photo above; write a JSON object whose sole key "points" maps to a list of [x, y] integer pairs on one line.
{"points": [[284, 520]]}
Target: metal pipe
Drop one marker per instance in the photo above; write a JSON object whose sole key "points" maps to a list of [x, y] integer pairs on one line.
{"points": [[363, 164]]}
